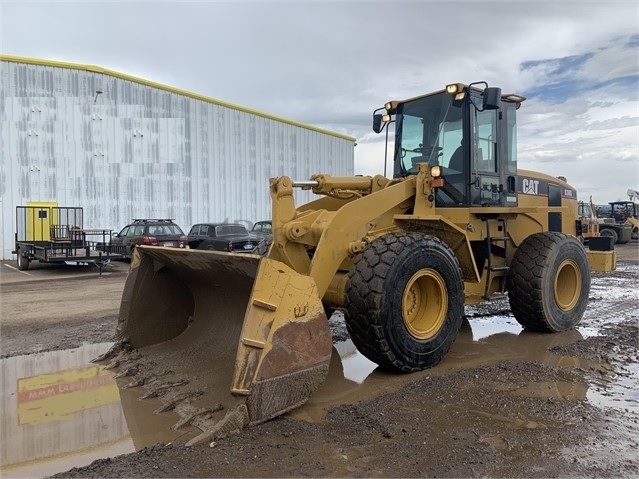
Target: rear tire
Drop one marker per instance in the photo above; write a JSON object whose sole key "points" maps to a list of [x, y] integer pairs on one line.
{"points": [[22, 262], [405, 301], [549, 282], [610, 232]]}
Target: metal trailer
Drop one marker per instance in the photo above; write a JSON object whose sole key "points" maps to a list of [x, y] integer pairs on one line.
{"points": [[56, 234]]}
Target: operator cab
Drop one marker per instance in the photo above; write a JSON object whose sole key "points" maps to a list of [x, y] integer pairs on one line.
{"points": [[470, 133]]}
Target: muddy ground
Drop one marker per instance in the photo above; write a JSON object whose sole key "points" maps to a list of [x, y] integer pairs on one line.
{"points": [[510, 416]]}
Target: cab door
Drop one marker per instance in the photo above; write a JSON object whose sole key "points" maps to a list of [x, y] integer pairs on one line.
{"points": [[486, 184], [494, 156]]}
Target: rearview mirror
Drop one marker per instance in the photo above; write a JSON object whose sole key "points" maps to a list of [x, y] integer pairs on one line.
{"points": [[377, 122], [492, 98]]}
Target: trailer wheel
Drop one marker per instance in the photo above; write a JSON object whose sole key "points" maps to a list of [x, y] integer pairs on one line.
{"points": [[549, 282], [610, 232], [405, 301], [22, 261]]}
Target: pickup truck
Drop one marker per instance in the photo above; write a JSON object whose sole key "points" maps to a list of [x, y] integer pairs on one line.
{"points": [[231, 237]]}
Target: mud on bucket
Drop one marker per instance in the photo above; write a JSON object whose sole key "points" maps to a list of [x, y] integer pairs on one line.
{"points": [[225, 340]]}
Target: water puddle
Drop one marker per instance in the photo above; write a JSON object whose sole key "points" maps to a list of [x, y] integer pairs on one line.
{"points": [[61, 411], [616, 389], [58, 409], [481, 341]]}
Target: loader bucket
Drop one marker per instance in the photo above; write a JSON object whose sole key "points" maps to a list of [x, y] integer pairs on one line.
{"points": [[225, 340]]}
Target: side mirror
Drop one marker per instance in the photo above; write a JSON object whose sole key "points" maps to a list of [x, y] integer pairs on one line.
{"points": [[492, 98], [377, 122]]}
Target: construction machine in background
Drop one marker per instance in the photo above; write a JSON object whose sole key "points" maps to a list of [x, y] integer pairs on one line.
{"points": [[632, 210], [626, 213], [229, 340], [587, 214], [620, 219]]}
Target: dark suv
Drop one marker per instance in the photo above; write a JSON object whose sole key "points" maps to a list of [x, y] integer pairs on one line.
{"points": [[153, 232], [223, 237]]}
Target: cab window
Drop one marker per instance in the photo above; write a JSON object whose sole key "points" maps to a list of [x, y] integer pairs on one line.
{"points": [[485, 141]]}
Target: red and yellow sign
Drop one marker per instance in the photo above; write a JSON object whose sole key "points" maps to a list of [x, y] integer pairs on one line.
{"points": [[57, 396]]}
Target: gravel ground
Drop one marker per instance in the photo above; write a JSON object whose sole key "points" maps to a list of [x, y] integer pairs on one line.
{"points": [[505, 417]]}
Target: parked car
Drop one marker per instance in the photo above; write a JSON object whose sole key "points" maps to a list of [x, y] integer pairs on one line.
{"points": [[263, 229], [223, 237], [153, 232]]}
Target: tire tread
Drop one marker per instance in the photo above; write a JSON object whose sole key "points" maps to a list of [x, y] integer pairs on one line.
{"points": [[365, 292], [525, 280]]}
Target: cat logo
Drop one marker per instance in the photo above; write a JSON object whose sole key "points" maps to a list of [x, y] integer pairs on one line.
{"points": [[530, 187]]}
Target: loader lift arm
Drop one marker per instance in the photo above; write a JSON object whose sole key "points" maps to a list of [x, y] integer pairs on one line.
{"points": [[333, 235]]}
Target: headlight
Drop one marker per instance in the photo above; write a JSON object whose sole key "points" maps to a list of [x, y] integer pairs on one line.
{"points": [[391, 106], [436, 171], [455, 89], [452, 89]]}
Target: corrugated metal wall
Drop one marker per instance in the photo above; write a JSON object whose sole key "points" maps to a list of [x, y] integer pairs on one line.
{"points": [[140, 149]]}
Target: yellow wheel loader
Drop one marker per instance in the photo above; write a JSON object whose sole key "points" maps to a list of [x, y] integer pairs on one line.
{"points": [[230, 340]]}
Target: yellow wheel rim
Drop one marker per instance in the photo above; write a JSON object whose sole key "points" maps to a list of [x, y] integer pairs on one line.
{"points": [[424, 304], [567, 285]]}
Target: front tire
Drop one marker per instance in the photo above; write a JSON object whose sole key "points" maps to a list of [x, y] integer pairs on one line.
{"points": [[405, 301], [549, 282]]}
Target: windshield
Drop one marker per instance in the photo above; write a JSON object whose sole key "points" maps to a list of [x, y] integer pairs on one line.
{"points": [[584, 210], [165, 230], [429, 131]]}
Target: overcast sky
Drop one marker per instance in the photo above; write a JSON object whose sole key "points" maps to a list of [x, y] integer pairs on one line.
{"points": [[331, 63]]}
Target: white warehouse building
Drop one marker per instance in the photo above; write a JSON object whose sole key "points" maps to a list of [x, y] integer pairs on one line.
{"points": [[122, 147]]}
